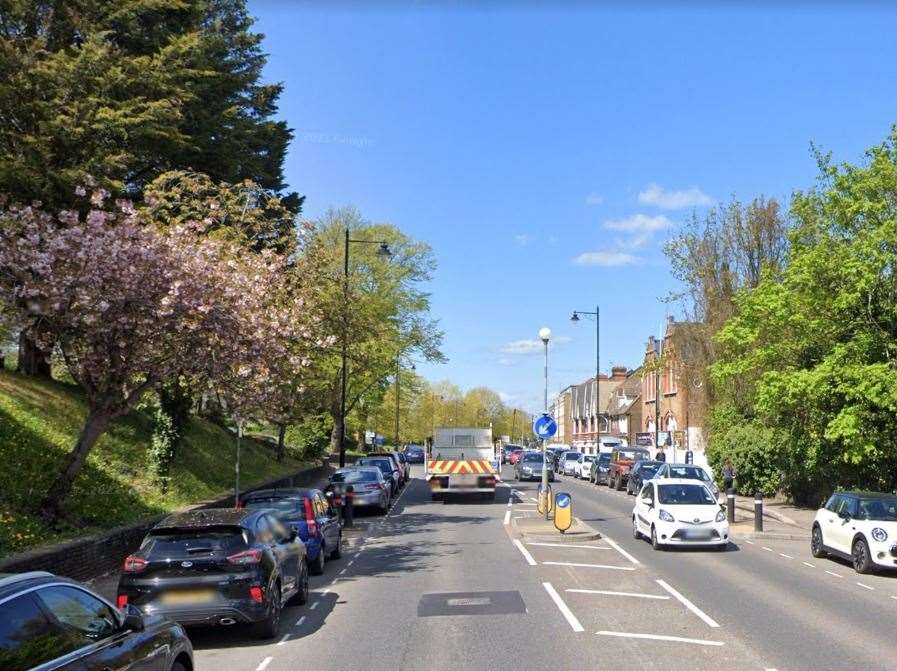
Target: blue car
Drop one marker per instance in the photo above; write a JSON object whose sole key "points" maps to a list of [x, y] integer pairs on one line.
{"points": [[308, 512], [414, 454]]}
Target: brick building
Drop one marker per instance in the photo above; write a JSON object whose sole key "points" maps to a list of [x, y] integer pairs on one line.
{"points": [[589, 410]]}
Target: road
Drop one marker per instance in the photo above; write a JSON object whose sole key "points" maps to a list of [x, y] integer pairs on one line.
{"points": [[445, 586]]}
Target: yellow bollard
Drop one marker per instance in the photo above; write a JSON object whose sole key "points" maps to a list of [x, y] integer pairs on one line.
{"points": [[563, 511], [543, 499]]}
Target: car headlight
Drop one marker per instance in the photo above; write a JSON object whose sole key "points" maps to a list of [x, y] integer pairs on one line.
{"points": [[527, 469], [665, 516], [721, 515], [879, 534]]}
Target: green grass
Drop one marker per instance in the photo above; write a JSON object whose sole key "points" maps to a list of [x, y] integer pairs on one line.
{"points": [[39, 421]]}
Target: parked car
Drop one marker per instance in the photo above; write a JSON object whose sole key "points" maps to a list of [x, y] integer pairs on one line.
{"points": [[369, 488], [860, 527], [556, 451], [687, 472], [405, 464], [515, 455], [388, 467], [622, 460], [507, 450], [584, 465], [404, 474], [217, 567], [530, 467], [48, 622], [640, 473], [311, 515], [679, 512], [599, 469], [567, 462], [415, 454]]}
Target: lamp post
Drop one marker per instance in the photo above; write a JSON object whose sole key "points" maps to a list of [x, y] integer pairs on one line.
{"points": [[382, 251], [545, 336], [597, 315]]}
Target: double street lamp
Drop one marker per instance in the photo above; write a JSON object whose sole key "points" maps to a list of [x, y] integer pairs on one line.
{"points": [[545, 336], [597, 315], [382, 251]]}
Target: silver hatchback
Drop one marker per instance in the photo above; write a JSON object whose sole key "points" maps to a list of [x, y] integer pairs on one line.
{"points": [[529, 467]]}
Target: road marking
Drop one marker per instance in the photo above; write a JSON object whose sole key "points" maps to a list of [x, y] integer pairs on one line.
{"points": [[865, 586], [608, 593], [283, 639], [806, 563], [749, 542], [313, 606], [657, 637], [569, 545], [264, 664], [300, 621], [343, 571], [894, 597], [834, 574], [325, 592], [567, 563], [782, 554], [351, 561], [565, 611], [688, 604], [525, 553], [533, 498], [510, 501], [767, 549], [623, 552], [507, 517]]}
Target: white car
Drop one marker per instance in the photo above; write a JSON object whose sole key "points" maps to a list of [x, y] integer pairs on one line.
{"points": [[679, 512], [569, 461], [859, 526], [584, 465], [687, 472]]}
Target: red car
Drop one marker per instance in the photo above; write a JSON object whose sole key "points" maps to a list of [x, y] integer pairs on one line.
{"points": [[514, 455]]}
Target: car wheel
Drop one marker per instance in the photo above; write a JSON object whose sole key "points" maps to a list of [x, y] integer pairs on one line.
{"points": [[301, 596], [178, 667], [862, 560], [317, 566], [817, 547], [383, 508], [619, 483], [654, 542], [338, 550], [270, 626], [636, 534]]}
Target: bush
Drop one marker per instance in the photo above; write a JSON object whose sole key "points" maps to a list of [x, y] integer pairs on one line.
{"points": [[756, 453]]}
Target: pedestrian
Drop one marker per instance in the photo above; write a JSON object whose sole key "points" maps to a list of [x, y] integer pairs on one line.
{"points": [[660, 456], [728, 475]]}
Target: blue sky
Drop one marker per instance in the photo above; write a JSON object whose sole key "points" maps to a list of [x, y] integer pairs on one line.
{"points": [[546, 154]]}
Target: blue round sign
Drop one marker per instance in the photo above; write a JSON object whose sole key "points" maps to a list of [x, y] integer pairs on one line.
{"points": [[545, 426], [562, 500]]}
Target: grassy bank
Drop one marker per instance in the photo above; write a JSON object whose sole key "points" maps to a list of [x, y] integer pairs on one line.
{"points": [[38, 425]]}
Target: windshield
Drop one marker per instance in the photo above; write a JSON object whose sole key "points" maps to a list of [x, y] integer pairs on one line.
{"points": [[688, 473], [384, 465], [589, 457], [878, 509], [571, 456], [647, 471], [685, 495], [535, 457], [354, 476], [291, 504], [604, 458], [634, 455]]}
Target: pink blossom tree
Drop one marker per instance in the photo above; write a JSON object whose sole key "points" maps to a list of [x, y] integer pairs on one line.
{"points": [[129, 304]]}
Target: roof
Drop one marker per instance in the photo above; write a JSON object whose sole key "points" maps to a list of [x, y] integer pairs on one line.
{"points": [[12, 583], [866, 494], [206, 518], [283, 493], [583, 402]]}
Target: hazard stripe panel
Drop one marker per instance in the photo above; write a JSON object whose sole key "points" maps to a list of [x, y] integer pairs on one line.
{"points": [[460, 466]]}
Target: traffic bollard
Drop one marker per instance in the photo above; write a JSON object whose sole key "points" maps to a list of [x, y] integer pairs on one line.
{"points": [[348, 508], [758, 511], [730, 506]]}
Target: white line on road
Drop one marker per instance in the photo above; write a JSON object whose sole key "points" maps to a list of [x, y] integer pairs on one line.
{"points": [[865, 586], [325, 592], [767, 549], [264, 664], [313, 606], [688, 604], [343, 571], [894, 597], [525, 553], [834, 574], [351, 561], [574, 564], [284, 639], [749, 542], [608, 593], [623, 552], [300, 621], [507, 517], [565, 611], [806, 563], [782, 554], [570, 545], [657, 637]]}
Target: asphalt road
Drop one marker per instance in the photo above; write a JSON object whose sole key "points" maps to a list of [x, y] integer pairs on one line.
{"points": [[445, 586]]}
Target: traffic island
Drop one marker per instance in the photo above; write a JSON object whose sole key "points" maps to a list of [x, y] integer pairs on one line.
{"points": [[780, 532], [541, 530]]}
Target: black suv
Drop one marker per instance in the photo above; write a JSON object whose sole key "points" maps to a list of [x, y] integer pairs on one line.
{"points": [[219, 566], [47, 622]]}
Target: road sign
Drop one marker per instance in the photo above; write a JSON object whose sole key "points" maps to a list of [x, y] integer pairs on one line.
{"points": [[545, 427], [563, 511]]}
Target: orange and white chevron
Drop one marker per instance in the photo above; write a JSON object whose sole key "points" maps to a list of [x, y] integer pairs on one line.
{"points": [[460, 466]]}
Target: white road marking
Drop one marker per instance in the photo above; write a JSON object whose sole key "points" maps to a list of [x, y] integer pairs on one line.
{"points": [[688, 604], [300, 621], [313, 606], [570, 545], [510, 501], [525, 553], [533, 498], [565, 611], [623, 552], [865, 586], [351, 561], [894, 597], [608, 593], [264, 664], [343, 571], [574, 564], [834, 574], [325, 592], [806, 563], [283, 639], [749, 542], [657, 637], [507, 517], [782, 554], [767, 549]]}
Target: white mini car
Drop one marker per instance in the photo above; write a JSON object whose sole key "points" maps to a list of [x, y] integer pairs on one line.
{"points": [[584, 465], [859, 526], [679, 512]]}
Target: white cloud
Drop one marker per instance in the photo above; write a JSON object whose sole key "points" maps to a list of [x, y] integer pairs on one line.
{"points": [[636, 241], [594, 199], [639, 223], [606, 259], [522, 239], [656, 195], [530, 346], [505, 397]]}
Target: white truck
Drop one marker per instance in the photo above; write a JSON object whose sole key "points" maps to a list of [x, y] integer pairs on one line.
{"points": [[462, 461]]}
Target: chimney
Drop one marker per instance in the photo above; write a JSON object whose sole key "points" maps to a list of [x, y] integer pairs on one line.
{"points": [[618, 373]]}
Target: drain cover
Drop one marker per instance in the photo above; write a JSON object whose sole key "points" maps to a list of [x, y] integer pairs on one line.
{"points": [[470, 603]]}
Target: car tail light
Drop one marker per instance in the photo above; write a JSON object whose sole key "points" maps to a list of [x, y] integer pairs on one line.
{"points": [[121, 601], [253, 556], [256, 594], [134, 564], [310, 519]]}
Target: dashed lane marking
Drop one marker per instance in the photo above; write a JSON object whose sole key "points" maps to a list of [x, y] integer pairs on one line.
{"points": [[609, 593], [283, 639], [834, 574], [767, 549], [264, 664], [749, 542], [577, 565], [806, 563], [570, 545], [688, 604], [565, 611], [341, 572], [623, 552], [507, 517], [313, 606], [894, 597], [865, 586], [300, 621], [658, 637], [782, 554], [525, 553]]}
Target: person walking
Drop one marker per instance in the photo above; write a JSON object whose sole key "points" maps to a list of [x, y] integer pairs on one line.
{"points": [[660, 456], [728, 475]]}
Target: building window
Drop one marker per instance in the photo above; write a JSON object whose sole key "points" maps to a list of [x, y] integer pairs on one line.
{"points": [[670, 380]]}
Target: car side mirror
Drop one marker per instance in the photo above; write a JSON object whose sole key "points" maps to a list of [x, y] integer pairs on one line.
{"points": [[133, 619], [648, 501], [844, 516]]}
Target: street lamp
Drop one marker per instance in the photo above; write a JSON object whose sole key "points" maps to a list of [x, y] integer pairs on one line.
{"points": [[597, 315], [383, 251], [545, 336]]}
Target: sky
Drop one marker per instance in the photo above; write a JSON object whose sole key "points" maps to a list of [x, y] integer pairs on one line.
{"points": [[547, 153]]}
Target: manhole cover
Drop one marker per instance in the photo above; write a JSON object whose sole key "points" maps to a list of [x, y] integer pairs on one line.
{"points": [[470, 603]]}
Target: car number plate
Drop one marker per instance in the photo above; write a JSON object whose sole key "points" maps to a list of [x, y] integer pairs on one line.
{"points": [[697, 535], [188, 597]]}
